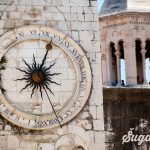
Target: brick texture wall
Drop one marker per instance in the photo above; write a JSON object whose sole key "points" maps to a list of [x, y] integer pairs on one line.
{"points": [[79, 20]]}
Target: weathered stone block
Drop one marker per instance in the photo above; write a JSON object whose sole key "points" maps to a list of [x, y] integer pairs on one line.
{"points": [[97, 147], [3, 141], [57, 3], [76, 9], [14, 15], [75, 35], [46, 146], [93, 110], [12, 141], [51, 9], [89, 17], [25, 2], [90, 10], [98, 125], [100, 137], [1, 23], [88, 34], [9, 24], [57, 16], [71, 17], [64, 9], [38, 2], [80, 17], [27, 145], [3, 7], [66, 2]]}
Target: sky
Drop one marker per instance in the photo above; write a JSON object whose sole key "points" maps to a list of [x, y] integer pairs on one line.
{"points": [[100, 2]]}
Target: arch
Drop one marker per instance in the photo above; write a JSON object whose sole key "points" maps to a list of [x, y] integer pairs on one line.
{"points": [[121, 48], [147, 48], [138, 39], [120, 40], [113, 64], [122, 62]]}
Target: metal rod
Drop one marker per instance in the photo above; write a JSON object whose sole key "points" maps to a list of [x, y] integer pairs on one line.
{"points": [[53, 108]]}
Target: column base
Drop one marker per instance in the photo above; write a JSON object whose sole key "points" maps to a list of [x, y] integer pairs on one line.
{"points": [[142, 86], [145, 83], [119, 85]]}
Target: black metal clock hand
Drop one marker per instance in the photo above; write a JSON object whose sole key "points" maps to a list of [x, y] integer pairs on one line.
{"points": [[43, 61], [53, 108], [49, 47]]}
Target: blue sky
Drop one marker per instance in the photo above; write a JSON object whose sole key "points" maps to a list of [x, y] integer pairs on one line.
{"points": [[100, 2]]}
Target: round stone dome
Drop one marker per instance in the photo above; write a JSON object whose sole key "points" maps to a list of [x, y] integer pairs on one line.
{"points": [[111, 6], [116, 6]]}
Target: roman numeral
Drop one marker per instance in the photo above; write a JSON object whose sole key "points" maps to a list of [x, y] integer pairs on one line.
{"points": [[83, 73], [7, 111], [46, 33], [17, 118], [21, 34], [29, 122], [33, 32]]}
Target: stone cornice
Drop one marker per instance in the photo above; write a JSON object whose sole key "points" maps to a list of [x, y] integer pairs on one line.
{"points": [[122, 14]]}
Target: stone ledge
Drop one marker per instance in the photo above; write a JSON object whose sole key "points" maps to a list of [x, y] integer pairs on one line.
{"points": [[126, 94]]}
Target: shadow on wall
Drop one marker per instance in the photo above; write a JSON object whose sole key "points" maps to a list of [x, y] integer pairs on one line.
{"points": [[124, 109]]}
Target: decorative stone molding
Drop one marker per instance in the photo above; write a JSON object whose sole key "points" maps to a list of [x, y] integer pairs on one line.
{"points": [[123, 14]]}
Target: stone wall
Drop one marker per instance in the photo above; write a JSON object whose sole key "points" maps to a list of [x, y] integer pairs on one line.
{"points": [[79, 20], [125, 108]]}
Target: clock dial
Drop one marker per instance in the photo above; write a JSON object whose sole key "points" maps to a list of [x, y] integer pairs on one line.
{"points": [[45, 77], [30, 75]]}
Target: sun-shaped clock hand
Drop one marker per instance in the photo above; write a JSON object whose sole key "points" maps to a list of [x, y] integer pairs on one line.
{"points": [[38, 76]]}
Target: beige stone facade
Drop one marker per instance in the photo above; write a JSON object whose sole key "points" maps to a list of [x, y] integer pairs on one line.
{"points": [[125, 36], [79, 21]]}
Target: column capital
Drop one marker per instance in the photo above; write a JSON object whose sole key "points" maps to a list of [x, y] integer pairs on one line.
{"points": [[117, 53], [143, 44], [143, 51], [117, 48]]}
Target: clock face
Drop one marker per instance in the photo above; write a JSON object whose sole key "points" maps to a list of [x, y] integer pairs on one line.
{"points": [[45, 77]]}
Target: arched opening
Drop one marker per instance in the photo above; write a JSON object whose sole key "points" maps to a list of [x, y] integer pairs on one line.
{"points": [[147, 48], [113, 72], [139, 65], [122, 63]]}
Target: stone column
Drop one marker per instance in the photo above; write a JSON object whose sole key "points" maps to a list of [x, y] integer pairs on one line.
{"points": [[105, 65], [130, 60], [117, 53], [143, 52], [109, 64]]}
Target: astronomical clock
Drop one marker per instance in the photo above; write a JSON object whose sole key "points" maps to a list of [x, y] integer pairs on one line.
{"points": [[45, 77]]}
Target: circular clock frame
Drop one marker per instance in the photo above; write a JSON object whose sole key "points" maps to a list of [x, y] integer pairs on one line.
{"points": [[83, 73]]}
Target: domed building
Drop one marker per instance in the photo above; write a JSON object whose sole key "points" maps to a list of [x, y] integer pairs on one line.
{"points": [[125, 47], [125, 41]]}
